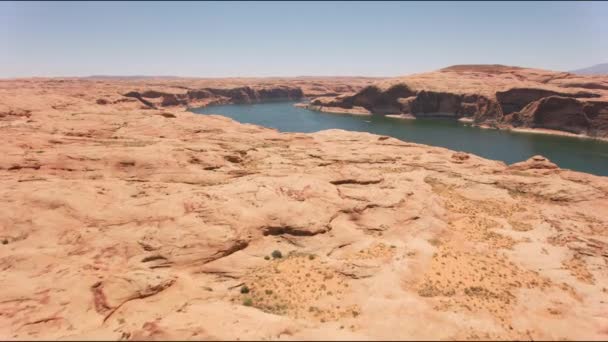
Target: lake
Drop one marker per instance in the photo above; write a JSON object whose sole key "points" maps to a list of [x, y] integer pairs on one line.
{"points": [[568, 152]]}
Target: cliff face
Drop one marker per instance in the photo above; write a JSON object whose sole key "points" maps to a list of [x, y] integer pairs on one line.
{"points": [[563, 113], [200, 92], [120, 221], [195, 97], [491, 94]]}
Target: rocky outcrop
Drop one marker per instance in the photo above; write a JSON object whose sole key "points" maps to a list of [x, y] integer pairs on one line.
{"points": [[515, 99], [565, 114], [112, 293], [249, 95], [189, 92], [534, 163], [587, 85], [422, 103], [119, 221], [597, 113], [371, 98], [553, 112], [491, 94], [154, 99]]}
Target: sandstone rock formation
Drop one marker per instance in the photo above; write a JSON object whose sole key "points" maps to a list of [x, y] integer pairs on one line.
{"points": [[495, 95], [206, 96], [123, 221], [201, 92]]}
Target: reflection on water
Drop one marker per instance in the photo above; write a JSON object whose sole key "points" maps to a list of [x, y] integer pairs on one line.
{"points": [[568, 152]]}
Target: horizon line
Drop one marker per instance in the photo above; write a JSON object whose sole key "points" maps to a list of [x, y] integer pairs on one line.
{"points": [[144, 76]]}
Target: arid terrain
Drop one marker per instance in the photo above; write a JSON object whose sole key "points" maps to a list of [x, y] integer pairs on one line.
{"points": [[125, 217], [488, 95]]}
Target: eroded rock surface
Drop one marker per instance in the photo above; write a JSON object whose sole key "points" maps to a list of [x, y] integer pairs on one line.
{"points": [[491, 95], [122, 221]]}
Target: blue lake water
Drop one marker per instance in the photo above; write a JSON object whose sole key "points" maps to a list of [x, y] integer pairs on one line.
{"points": [[568, 152]]}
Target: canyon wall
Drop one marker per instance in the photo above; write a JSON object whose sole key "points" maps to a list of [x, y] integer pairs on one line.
{"points": [[490, 95], [194, 92], [196, 97]]}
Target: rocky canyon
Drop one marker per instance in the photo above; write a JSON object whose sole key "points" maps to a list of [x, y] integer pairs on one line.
{"points": [[123, 216], [488, 95]]}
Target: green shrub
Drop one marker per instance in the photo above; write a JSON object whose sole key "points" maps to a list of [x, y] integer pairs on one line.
{"points": [[276, 254], [244, 289], [247, 302]]}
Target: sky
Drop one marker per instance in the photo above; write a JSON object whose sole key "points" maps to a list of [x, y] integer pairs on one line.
{"points": [[259, 39]]}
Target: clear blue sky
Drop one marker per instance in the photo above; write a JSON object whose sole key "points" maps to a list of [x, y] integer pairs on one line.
{"points": [[213, 39]]}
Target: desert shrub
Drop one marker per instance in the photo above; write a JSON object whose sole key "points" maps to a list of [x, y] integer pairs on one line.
{"points": [[247, 302]]}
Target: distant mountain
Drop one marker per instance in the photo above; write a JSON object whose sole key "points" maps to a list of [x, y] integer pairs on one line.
{"points": [[598, 69]]}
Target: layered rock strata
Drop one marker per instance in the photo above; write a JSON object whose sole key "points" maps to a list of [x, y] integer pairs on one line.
{"points": [[495, 95]]}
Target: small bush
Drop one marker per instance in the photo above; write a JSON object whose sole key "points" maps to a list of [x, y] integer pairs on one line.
{"points": [[435, 242], [267, 258], [244, 289], [311, 257], [268, 292], [276, 254], [247, 302]]}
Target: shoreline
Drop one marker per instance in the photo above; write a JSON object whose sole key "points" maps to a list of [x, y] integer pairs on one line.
{"points": [[547, 131], [360, 111], [464, 120], [401, 116], [542, 131]]}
